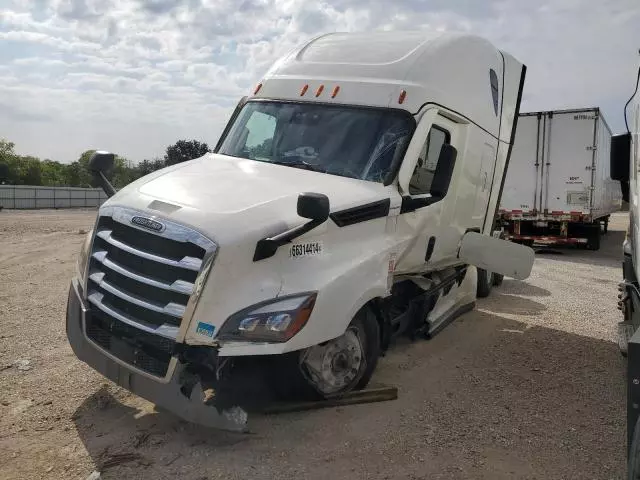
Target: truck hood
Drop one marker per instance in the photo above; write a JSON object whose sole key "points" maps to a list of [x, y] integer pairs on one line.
{"points": [[227, 196]]}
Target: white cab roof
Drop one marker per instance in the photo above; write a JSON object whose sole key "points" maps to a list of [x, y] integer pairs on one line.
{"points": [[372, 69]]}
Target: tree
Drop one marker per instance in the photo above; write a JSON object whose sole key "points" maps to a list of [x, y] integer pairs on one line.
{"points": [[146, 167], [31, 173], [184, 150], [27, 170], [6, 149], [7, 161], [123, 172], [53, 173], [4, 173]]}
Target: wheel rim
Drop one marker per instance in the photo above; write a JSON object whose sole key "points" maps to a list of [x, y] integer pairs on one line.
{"points": [[337, 365]]}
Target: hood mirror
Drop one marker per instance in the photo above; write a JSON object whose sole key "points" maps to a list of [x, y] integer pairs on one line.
{"points": [[101, 164]]}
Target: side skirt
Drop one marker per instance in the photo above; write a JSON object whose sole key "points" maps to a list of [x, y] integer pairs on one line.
{"points": [[449, 317]]}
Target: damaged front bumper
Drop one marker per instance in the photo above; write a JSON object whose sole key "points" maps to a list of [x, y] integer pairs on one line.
{"points": [[179, 391]]}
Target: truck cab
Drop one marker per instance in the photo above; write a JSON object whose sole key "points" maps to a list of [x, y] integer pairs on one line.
{"points": [[350, 199], [624, 164]]}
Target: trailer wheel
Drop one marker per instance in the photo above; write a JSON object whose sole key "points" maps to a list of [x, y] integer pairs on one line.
{"points": [[593, 239], [485, 282], [633, 461], [345, 363]]}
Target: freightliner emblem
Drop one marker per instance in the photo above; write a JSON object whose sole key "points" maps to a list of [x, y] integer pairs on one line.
{"points": [[148, 223]]}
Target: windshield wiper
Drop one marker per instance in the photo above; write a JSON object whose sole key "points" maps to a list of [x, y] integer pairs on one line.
{"points": [[301, 164]]}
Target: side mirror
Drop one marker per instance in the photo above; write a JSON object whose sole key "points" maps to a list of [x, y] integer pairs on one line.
{"points": [[101, 164], [619, 160], [496, 255], [444, 171], [439, 184], [314, 206], [619, 157]]}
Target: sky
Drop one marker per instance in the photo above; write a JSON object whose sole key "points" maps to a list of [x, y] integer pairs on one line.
{"points": [[133, 76]]}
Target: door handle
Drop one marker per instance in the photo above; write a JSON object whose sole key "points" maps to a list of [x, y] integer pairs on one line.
{"points": [[430, 247]]}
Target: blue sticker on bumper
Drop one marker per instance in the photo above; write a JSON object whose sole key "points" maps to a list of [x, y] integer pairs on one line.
{"points": [[205, 329]]}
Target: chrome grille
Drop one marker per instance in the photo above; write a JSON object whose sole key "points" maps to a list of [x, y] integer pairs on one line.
{"points": [[140, 284]]}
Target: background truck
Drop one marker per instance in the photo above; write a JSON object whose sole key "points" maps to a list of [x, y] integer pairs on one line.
{"points": [[559, 189], [350, 200], [625, 161]]}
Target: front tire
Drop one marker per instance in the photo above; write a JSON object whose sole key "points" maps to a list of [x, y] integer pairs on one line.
{"points": [[485, 282], [345, 363]]}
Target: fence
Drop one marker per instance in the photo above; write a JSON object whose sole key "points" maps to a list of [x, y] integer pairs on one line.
{"points": [[31, 197]]}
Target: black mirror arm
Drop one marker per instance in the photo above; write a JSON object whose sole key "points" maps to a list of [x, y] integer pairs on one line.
{"points": [[104, 183], [410, 204], [267, 247]]}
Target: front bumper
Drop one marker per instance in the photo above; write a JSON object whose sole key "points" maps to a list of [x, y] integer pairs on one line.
{"points": [[165, 393]]}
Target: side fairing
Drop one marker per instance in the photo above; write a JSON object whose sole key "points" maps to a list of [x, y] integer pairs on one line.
{"points": [[513, 83]]}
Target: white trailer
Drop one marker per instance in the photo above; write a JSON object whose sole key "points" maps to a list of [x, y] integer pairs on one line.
{"points": [[558, 188]]}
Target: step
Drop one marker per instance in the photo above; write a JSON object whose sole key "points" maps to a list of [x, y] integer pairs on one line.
{"points": [[625, 332]]}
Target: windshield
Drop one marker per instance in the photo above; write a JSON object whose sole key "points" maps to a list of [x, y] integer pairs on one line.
{"points": [[352, 142]]}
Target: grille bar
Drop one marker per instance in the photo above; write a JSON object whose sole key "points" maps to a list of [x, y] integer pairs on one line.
{"points": [[164, 330], [172, 309], [179, 286], [189, 263]]}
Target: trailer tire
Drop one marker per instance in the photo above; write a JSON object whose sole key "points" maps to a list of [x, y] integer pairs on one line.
{"points": [[485, 282], [366, 329], [593, 239], [633, 461]]}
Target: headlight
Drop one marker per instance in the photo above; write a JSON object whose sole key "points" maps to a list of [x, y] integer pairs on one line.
{"points": [[275, 321], [83, 258]]}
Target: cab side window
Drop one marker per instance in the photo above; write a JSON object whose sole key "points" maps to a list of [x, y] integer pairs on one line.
{"points": [[422, 177]]}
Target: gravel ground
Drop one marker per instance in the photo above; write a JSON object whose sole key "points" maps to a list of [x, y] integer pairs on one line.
{"points": [[529, 385]]}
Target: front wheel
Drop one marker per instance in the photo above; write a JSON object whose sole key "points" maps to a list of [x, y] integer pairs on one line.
{"points": [[485, 282], [345, 363]]}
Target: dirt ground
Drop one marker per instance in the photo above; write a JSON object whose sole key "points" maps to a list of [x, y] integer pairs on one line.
{"points": [[529, 385]]}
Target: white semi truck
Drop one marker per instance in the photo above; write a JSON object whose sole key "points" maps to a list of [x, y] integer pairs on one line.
{"points": [[559, 189], [349, 200], [625, 163]]}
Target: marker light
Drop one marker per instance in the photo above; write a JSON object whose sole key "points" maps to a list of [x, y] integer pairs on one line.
{"points": [[258, 87], [319, 91], [335, 91], [304, 90], [403, 95]]}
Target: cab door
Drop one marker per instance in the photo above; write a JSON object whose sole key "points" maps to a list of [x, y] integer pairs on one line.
{"points": [[429, 239]]}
